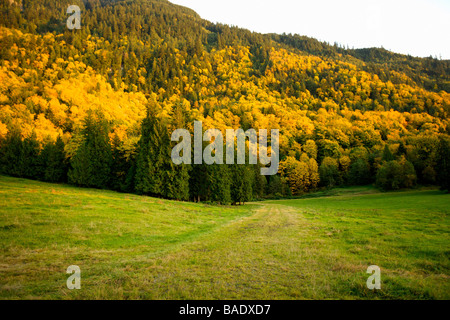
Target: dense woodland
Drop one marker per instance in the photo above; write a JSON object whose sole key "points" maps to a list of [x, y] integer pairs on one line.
{"points": [[95, 107]]}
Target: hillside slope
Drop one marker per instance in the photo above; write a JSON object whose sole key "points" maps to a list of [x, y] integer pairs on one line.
{"points": [[131, 247], [342, 114]]}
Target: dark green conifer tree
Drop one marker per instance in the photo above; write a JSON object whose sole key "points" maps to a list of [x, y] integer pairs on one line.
{"points": [[120, 166], [259, 183], [149, 165], [241, 183], [219, 183], [443, 163], [53, 159], [91, 164], [29, 160], [10, 154]]}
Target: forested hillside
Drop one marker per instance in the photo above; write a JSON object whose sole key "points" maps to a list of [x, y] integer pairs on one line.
{"points": [[95, 107]]}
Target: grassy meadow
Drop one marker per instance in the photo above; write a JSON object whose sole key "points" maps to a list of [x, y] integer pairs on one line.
{"points": [[132, 247]]}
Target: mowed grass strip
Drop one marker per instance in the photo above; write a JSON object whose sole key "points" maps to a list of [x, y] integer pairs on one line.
{"points": [[131, 247], [407, 234], [270, 255]]}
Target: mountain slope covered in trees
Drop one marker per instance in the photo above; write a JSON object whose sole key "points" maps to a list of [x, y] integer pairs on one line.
{"points": [[112, 92]]}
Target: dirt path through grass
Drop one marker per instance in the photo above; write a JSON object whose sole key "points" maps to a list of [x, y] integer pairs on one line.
{"points": [[273, 253]]}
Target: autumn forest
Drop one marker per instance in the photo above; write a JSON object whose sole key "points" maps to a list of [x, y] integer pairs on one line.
{"points": [[96, 107]]}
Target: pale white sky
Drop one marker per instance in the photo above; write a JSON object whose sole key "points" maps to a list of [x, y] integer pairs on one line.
{"points": [[418, 27]]}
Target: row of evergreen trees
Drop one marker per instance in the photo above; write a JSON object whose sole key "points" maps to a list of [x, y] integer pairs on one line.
{"points": [[25, 158], [101, 163]]}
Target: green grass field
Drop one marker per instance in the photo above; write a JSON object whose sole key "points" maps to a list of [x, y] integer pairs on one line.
{"points": [[131, 247]]}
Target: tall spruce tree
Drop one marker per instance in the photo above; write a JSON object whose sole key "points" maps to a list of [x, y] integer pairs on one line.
{"points": [[120, 166], [219, 184], [156, 174], [443, 163], [29, 161], [11, 154], [175, 177], [91, 164], [241, 183], [198, 182], [53, 160], [259, 182], [149, 164]]}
